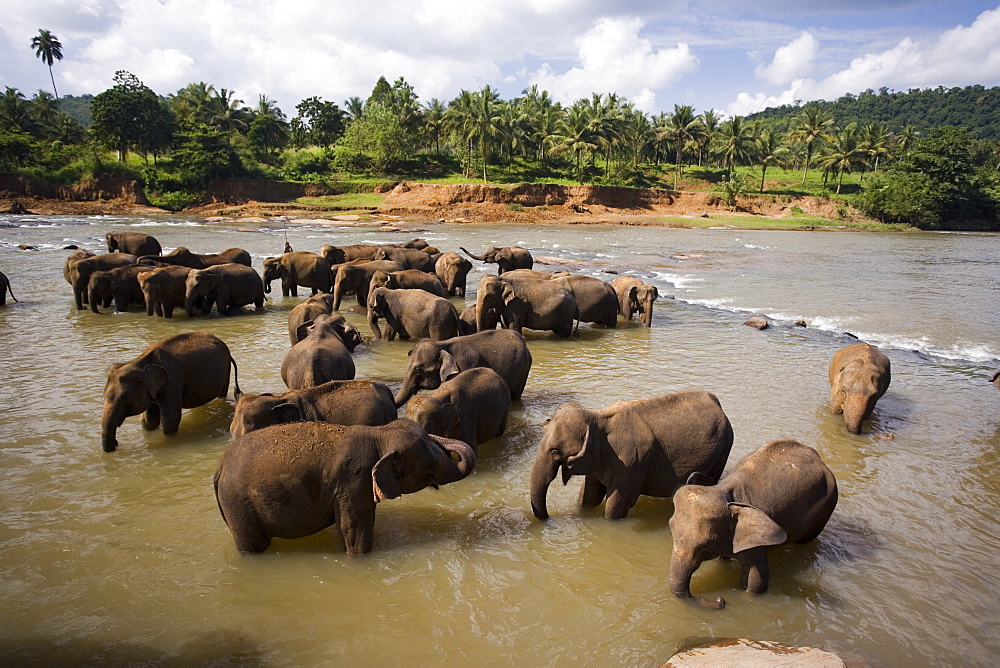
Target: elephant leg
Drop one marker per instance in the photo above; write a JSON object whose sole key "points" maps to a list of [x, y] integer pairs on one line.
{"points": [[618, 505], [357, 528], [592, 491], [171, 416], [755, 569], [151, 418]]}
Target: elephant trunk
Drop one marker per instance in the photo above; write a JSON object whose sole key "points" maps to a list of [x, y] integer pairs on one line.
{"points": [[408, 389], [543, 472], [682, 567], [189, 305], [855, 411], [452, 471], [647, 313], [267, 286], [338, 292], [111, 419], [481, 258], [93, 302], [373, 322]]}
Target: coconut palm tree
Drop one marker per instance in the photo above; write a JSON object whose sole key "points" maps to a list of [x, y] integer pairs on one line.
{"points": [[706, 131], [906, 138], [680, 130], [434, 122], [193, 102], [576, 134], [226, 113], [844, 152], [735, 143], [875, 140], [44, 109], [811, 125], [355, 107], [486, 121], [15, 112], [771, 150], [48, 48], [459, 122]]}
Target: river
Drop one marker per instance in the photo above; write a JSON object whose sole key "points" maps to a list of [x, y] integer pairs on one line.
{"points": [[123, 557]]}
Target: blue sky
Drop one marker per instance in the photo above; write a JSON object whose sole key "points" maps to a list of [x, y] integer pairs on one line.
{"points": [[735, 57]]}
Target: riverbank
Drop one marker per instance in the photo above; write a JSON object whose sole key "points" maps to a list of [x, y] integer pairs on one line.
{"points": [[423, 203]]}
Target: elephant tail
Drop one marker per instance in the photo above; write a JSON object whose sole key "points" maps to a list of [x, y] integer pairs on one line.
{"points": [[11, 291], [237, 393], [576, 329], [215, 485]]}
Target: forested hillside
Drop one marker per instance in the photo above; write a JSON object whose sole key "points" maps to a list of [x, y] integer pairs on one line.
{"points": [[976, 108]]}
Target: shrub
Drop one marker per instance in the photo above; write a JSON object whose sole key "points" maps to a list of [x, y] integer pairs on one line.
{"points": [[734, 187], [515, 206], [796, 209], [172, 201]]}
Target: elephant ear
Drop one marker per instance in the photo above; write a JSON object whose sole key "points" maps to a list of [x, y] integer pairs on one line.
{"points": [[507, 293], [303, 330], [754, 528], [156, 377], [386, 477], [286, 413], [449, 367], [567, 468], [656, 293]]}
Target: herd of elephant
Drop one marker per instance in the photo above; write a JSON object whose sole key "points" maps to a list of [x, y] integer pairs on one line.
{"points": [[329, 449]]}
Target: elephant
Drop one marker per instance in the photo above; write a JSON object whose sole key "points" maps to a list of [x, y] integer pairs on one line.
{"points": [[294, 480], [506, 257], [320, 356], [81, 270], [357, 278], [133, 243], [336, 323], [298, 268], [338, 401], [321, 304], [341, 254], [781, 493], [411, 314], [525, 302], [408, 257], [408, 279], [859, 376], [418, 244], [164, 289], [635, 296], [120, 285], [531, 273], [467, 320], [472, 406], [434, 362], [229, 286], [182, 257], [452, 270], [4, 289], [595, 299], [645, 446], [181, 371]]}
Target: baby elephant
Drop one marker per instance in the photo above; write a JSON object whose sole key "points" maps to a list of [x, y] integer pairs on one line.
{"points": [[320, 356], [781, 493], [471, 406], [859, 376], [339, 401], [4, 289], [293, 480], [411, 313], [181, 371]]}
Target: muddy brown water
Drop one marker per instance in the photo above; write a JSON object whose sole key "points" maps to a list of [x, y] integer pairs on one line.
{"points": [[123, 557]]}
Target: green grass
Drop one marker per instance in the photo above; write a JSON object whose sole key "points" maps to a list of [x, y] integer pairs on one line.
{"points": [[793, 222], [359, 199]]}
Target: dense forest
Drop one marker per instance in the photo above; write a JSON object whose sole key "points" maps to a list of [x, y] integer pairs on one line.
{"points": [[930, 156]]}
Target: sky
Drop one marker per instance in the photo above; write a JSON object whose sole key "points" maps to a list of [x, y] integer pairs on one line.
{"points": [[734, 57]]}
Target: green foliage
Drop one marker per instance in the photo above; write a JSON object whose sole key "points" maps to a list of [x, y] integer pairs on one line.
{"points": [[204, 155], [515, 206], [379, 136], [172, 201], [318, 122], [129, 116], [298, 162], [734, 186]]}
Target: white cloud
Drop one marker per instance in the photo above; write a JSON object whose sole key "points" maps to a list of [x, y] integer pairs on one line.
{"points": [[960, 56], [613, 58], [791, 61]]}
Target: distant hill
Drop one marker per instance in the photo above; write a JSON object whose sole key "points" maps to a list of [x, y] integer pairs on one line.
{"points": [[974, 107], [77, 107]]}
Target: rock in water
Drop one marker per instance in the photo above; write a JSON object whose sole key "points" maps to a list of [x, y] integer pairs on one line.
{"points": [[757, 323], [745, 652]]}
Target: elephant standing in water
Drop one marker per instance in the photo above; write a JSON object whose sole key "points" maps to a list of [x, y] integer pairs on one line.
{"points": [[525, 302], [781, 493], [228, 286], [434, 362], [634, 296], [453, 269], [5, 288], [411, 314], [338, 401], [595, 299], [859, 376], [80, 270], [298, 268], [293, 480], [646, 446], [181, 371], [471, 407], [506, 258], [182, 257], [119, 285], [320, 355], [312, 308], [134, 243], [164, 289]]}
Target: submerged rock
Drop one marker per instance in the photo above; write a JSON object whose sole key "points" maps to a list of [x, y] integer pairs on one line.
{"points": [[746, 652], [757, 323]]}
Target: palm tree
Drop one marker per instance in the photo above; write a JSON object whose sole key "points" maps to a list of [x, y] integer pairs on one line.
{"points": [[226, 113], [770, 150], [906, 138], [736, 142], [845, 152], [15, 112], [637, 133], [355, 107], [458, 120], [193, 102], [486, 121], [44, 109], [49, 49], [576, 134], [706, 131], [268, 107], [680, 126], [875, 143], [434, 122], [812, 124]]}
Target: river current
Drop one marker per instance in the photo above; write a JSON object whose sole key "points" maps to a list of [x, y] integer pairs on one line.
{"points": [[123, 557]]}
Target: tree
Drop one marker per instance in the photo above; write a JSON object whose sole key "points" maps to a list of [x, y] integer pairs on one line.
{"points": [[322, 121], [434, 122], [680, 126], [129, 116], [227, 114], [192, 103], [845, 152], [735, 143], [875, 139], [486, 121], [770, 151], [48, 48], [576, 134], [707, 131], [204, 155], [811, 125], [15, 113], [379, 135]]}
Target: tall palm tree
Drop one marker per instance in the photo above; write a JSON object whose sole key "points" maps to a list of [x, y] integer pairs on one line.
{"points": [[845, 152], [576, 134], [906, 138], [875, 140], [459, 121], [193, 102], [770, 151], [680, 126], [434, 122], [707, 129], [49, 49], [736, 142], [268, 107], [15, 112], [227, 113], [811, 125], [355, 107], [487, 121]]}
